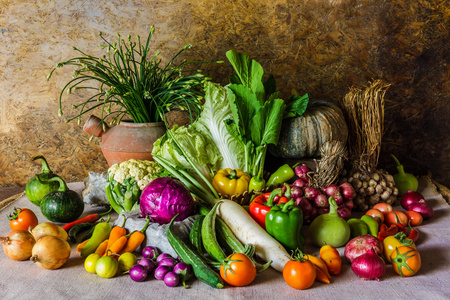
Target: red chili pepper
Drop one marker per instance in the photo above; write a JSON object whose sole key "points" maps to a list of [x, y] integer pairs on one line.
{"points": [[413, 234], [387, 231], [261, 205], [88, 219]]}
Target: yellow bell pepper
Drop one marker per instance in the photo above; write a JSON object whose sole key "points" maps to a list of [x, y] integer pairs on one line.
{"points": [[231, 182]]}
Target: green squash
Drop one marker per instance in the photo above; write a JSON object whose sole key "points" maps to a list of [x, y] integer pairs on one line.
{"points": [[303, 136], [62, 205], [36, 190]]}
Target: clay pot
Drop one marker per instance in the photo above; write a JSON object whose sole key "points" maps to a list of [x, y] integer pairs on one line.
{"points": [[126, 140]]}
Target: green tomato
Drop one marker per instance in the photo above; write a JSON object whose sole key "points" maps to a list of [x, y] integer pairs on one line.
{"points": [[91, 261], [126, 261], [106, 267]]}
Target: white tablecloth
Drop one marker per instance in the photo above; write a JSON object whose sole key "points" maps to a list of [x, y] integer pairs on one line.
{"points": [[25, 280]]}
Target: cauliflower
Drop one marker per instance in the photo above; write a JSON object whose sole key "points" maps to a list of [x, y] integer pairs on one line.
{"points": [[126, 180], [143, 171]]}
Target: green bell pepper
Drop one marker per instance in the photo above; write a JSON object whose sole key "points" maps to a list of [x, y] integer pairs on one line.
{"points": [[284, 222]]}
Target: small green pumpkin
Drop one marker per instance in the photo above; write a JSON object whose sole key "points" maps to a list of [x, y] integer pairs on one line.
{"points": [[62, 205], [36, 190], [302, 137]]}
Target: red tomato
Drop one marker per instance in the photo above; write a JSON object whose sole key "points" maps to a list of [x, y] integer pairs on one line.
{"points": [[299, 274], [395, 217], [238, 270], [376, 214], [22, 218], [414, 218], [383, 207]]}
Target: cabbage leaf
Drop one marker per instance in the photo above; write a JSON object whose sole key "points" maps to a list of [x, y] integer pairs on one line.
{"points": [[212, 123]]}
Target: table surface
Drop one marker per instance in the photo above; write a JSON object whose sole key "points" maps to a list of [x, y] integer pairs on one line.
{"points": [[25, 280]]}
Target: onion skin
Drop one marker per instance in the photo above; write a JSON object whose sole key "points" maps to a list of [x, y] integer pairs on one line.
{"points": [[360, 245], [18, 244], [50, 252], [347, 191], [369, 266], [422, 208], [49, 228], [409, 198]]}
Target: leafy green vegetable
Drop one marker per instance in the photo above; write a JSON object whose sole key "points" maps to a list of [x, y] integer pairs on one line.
{"points": [[197, 147], [256, 121], [216, 110]]}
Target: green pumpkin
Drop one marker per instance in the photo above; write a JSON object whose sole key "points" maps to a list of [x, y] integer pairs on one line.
{"points": [[36, 190], [302, 137], [63, 205]]}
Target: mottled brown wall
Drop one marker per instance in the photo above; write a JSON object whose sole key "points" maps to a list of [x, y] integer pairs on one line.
{"points": [[321, 47]]}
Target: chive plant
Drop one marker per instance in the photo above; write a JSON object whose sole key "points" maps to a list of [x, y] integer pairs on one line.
{"points": [[133, 83]]}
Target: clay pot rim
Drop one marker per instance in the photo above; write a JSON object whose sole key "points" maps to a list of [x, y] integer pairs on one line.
{"points": [[130, 123]]}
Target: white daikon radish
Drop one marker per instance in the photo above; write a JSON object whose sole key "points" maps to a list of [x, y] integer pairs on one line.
{"points": [[248, 231]]}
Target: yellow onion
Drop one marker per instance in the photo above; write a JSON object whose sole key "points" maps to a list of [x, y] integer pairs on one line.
{"points": [[50, 252], [18, 244], [48, 228]]}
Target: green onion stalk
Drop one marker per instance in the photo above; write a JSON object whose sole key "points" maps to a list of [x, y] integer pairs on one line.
{"points": [[133, 83]]}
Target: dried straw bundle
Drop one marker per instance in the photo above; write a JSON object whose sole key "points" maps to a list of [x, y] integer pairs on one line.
{"points": [[331, 164], [364, 109]]}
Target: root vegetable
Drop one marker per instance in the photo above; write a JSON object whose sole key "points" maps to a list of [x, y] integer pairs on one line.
{"points": [[48, 228], [50, 252], [249, 232], [321, 201], [18, 244]]}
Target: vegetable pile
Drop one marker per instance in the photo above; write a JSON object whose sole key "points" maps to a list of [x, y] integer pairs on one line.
{"points": [[246, 220]]}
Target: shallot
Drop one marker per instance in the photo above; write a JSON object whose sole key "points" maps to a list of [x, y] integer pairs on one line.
{"points": [[347, 190], [369, 266], [18, 244]]}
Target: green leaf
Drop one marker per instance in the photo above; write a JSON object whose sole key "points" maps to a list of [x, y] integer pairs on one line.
{"points": [[296, 106], [244, 105], [212, 122], [249, 72]]}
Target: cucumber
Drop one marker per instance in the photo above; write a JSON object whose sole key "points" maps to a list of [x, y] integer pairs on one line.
{"points": [[209, 238], [190, 256]]}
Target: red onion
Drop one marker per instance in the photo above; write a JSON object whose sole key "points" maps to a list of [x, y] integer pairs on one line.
{"points": [[333, 191], [301, 182], [321, 201], [296, 192], [369, 266], [323, 210], [360, 245], [409, 198], [344, 212], [311, 193], [347, 191], [301, 170], [422, 208], [305, 206], [349, 204]]}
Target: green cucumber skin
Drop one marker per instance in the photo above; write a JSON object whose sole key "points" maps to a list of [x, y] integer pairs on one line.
{"points": [[62, 207], [188, 255]]}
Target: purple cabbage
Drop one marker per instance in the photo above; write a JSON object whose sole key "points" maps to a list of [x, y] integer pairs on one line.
{"points": [[165, 197]]}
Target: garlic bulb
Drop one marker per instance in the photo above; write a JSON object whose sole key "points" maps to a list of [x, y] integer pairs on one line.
{"points": [[371, 188]]}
